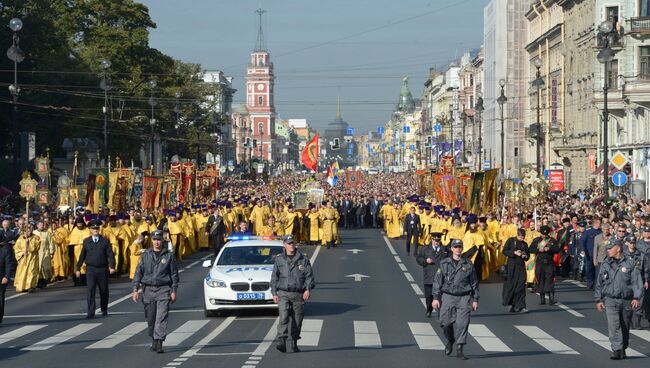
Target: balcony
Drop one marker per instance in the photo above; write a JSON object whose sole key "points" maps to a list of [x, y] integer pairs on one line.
{"points": [[640, 26]]}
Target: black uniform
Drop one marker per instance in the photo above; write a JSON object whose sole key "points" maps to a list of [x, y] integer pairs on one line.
{"points": [[412, 229], [544, 266], [514, 288], [7, 266], [216, 230], [437, 254], [99, 257]]}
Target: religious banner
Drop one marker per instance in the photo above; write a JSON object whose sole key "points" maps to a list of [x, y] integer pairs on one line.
{"points": [[157, 197], [136, 192], [119, 196], [90, 192], [112, 187], [447, 165], [490, 189], [101, 184], [450, 191], [437, 188], [353, 179], [309, 156], [420, 181], [475, 188], [149, 188], [463, 187], [188, 175], [42, 167]]}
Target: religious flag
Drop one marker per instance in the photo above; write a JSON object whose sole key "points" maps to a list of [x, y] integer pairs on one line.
{"points": [[101, 184], [90, 192], [353, 179], [332, 174], [149, 189], [310, 154]]}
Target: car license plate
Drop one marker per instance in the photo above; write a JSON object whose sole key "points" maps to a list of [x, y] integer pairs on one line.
{"points": [[250, 296]]}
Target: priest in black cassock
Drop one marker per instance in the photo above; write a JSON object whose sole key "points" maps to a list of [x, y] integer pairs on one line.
{"points": [[514, 288]]}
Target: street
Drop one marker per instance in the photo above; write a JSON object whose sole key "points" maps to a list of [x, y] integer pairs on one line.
{"points": [[367, 310]]}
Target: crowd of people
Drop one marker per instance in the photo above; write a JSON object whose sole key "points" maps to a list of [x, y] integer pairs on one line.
{"points": [[529, 243]]}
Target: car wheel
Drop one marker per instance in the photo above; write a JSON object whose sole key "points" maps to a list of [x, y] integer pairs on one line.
{"points": [[209, 313]]}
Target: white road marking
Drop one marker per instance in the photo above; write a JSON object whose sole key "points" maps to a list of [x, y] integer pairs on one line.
{"points": [[390, 246], [310, 334], [206, 340], [546, 341], [397, 259], [576, 283], [641, 334], [417, 289], [366, 335], [313, 256], [573, 312], [62, 336], [15, 296], [184, 331], [487, 339], [424, 302], [425, 336], [268, 339], [19, 332], [602, 340], [120, 336], [409, 277], [402, 267]]}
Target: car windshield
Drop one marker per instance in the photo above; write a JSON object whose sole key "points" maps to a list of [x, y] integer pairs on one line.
{"points": [[253, 255]]}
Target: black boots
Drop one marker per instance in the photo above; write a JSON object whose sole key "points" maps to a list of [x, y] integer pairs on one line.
{"points": [[156, 346], [616, 355], [636, 322], [542, 298], [294, 346], [449, 347], [281, 345], [459, 352], [551, 299]]}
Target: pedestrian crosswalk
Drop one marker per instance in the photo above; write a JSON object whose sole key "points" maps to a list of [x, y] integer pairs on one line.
{"points": [[367, 335]]}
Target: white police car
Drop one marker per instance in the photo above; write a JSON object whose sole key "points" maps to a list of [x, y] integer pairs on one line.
{"points": [[240, 276]]}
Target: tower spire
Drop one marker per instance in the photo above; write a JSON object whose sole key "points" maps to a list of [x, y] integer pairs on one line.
{"points": [[338, 107], [260, 45]]}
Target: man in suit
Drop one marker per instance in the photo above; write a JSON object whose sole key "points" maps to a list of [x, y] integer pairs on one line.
{"points": [[412, 228], [98, 255], [374, 211], [216, 230], [429, 258], [7, 266], [346, 208]]}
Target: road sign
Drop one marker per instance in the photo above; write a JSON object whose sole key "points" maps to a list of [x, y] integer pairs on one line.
{"points": [[380, 130], [619, 179], [350, 131], [619, 160], [556, 180], [407, 129], [437, 128], [355, 251], [486, 165], [546, 174]]}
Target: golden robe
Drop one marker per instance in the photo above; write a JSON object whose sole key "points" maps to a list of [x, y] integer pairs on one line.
{"points": [[76, 239], [202, 237], [45, 254], [314, 227], [259, 217], [60, 260], [27, 271], [329, 218], [394, 227]]}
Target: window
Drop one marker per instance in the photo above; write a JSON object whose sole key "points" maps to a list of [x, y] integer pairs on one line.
{"points": [[644, 62], [644, 8], [612, 74], [259, 101], [260, 128], [554, 103], [611, 13]]}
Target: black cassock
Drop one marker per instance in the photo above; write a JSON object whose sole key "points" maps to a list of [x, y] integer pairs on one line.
{"points": [[514, 288]]}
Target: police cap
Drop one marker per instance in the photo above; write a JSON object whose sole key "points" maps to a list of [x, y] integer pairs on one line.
{"points": [[614, 242], [456, 243], [157, 235]]}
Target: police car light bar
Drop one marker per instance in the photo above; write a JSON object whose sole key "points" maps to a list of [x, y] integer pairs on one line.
{"points": [[251, 237]]}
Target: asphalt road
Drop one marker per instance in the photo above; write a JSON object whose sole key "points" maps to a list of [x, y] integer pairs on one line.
{"points": [[377, 321]]}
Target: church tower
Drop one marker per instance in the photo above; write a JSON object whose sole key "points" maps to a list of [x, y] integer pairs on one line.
{"points": [[259, 97]]}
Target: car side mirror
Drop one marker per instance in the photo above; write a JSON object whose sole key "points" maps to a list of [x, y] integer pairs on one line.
{"points": [[207, 263]]}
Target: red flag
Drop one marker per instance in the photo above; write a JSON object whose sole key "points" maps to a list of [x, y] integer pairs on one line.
{"points": [[149, 191], [310, 154], [353, 179]]}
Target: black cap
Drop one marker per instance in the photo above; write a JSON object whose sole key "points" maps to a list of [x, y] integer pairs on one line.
{"points": [[157, 235], [582, 223], [289, 240], [630, 239], [614, 242], [545, 230], [436, 236], [456, 243], [95, 224], [645, 228]]}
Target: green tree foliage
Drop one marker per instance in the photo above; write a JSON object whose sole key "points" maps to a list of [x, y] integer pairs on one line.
{"points": [[65, 42]]}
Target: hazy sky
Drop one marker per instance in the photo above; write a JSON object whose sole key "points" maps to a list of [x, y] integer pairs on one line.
{"points": [[358, 48]]}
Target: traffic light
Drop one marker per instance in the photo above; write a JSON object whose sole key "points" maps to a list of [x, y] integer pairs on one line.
{"points": [[247, 143], [336, 144], [254, 143]]}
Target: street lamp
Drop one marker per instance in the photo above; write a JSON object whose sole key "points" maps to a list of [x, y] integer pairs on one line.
{"points": [[152, 122], [106, 86], [608, 35], [15, 54], [479, 110], [463, 118], [177, 108], [501, 101], [538, 83]]}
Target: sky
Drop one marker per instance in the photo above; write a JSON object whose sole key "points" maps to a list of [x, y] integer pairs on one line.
{"points": [[358, 49]]}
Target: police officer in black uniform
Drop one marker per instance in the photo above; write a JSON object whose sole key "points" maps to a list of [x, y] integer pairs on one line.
{"points": [[455, 293], [412, 229], [98, 255], [618, 292], [7, 266], [545, 247], [157, 274], [292, 280], [429, 258]]}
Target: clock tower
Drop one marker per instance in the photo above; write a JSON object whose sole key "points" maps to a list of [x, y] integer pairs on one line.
{"points": [[259, 97]]}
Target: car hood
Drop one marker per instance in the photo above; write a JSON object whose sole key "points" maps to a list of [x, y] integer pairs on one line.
{"points": [[242, 273]]}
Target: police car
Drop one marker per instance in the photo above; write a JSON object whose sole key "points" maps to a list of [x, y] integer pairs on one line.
{"points": [[241, 274]]}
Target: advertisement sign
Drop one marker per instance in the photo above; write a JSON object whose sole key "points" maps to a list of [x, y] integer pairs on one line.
{"points": [[556, 180]]}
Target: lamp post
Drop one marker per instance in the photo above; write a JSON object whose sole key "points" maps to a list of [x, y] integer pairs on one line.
{"points": [[608, 35], [106, 86], [451, 133], [152, 122], [538, 83], [463, 118], [479, 110], [501, 101], [15, 54]]}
